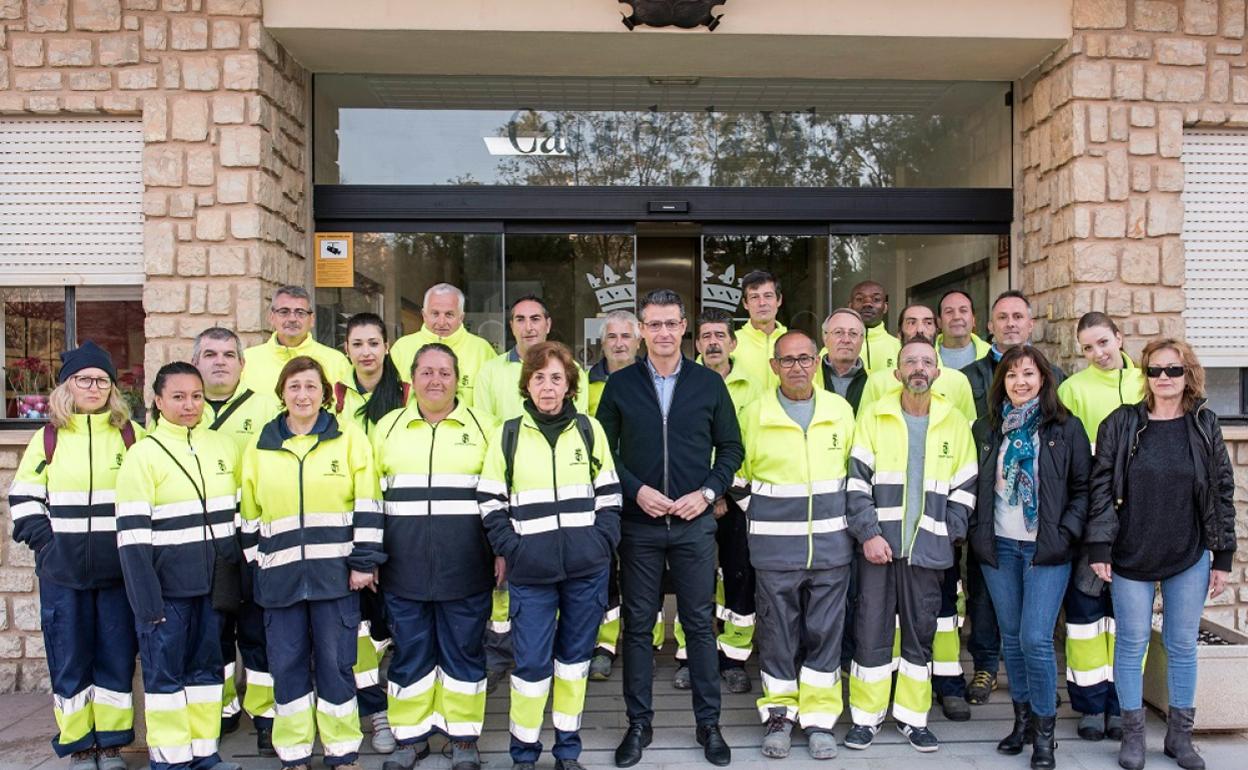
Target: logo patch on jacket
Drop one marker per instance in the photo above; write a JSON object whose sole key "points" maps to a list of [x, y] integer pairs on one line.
{"points": [[334, 466], [117, 461], [578, 456], [836, 441], [221, 466], [247, 425], [463, 381], [944, 451], [465, 440]]}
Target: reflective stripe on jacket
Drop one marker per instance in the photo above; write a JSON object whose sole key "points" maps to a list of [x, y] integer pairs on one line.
{"points": [[64, 510], [877, 480], [310, 510], [558, 520], [797, 503], [166, 549], [434, 538]]}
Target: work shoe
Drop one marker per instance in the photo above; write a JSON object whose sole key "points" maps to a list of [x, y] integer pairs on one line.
{"points": [[778, 736], [955, 708], [1178, 745], [682, 680], [83, 760], [636, 738], [383, 741], [1092, 727], [737, 680], [110, 759], [568, 764], [921, 738], [521, 766], [821, 744], [406, 757], [981, 687], [600, 668], [1113, 727], [493, 679], [860, 736], [1131, 751], [230, 724], [264, 743], [223, 765], [464, 755]]}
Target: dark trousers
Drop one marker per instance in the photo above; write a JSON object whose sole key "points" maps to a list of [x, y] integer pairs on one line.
{"points": [[437, 674], [182, 685], [732, 537], [645, 550], [553, 628], [88, 637], [851, 612], [314, 639], [1089, 661], [984, 642], [244, 631], [950, 685]]}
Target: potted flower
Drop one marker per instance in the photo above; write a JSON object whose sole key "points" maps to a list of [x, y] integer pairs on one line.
{"points": [[29, 377]]}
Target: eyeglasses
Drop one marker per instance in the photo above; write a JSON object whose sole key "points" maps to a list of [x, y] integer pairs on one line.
{"points": [[788, 362], [852, 334], [87, 383], [670, 325], [287, 312], [1174, 371]]}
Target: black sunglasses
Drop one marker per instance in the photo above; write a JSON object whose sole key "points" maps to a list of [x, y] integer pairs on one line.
{"points": [[1174, 371]]}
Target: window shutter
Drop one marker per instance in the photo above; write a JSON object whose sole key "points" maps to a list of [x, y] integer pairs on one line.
{"points": [[71, 200], [1215, 241]]}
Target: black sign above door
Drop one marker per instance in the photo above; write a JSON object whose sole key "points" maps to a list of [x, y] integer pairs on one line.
{"points": [[686, 14]]}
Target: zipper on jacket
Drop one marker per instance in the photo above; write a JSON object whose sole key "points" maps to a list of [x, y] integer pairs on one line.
{"points": [[303, 551], [433, 442], [810, 501], [668, 517], [90, 490]]}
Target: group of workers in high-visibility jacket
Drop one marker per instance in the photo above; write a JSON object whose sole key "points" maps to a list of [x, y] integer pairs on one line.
{"points": [[309, 511]]}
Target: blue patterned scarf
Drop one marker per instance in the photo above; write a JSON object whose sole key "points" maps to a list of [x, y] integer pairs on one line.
{"points": [[1019, 424]]}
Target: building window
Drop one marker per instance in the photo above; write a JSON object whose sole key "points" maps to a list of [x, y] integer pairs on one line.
{"points": [[71, 194], [1215, 242]]}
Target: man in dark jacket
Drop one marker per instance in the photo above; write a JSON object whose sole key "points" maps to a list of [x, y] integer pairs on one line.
{"points": [[1011, 323], [841, 369], [673, 429]]}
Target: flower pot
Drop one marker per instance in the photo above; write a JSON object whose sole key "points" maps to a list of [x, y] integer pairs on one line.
{"points": [[32, 407], [1221, 699]]}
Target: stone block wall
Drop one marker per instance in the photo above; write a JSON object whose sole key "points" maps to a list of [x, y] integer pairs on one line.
{"points": [[226, 202], [1101, 124]]}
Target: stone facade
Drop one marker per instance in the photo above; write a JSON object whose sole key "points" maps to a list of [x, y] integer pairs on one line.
{"points": [[1101, 124], [225, 113]]}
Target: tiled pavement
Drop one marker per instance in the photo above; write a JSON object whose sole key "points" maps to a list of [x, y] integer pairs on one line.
{"points": [[26, 722]]}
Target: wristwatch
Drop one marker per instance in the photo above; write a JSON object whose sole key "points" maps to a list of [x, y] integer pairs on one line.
{"points": [[708, 495]]}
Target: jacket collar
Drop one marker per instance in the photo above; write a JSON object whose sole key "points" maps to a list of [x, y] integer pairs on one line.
{"points": [[598, 372], [451, 340], [174, 432], [411, 414], [275, 434], [735, 373], [890, 403], [756, 335], [772, 414], [513, 356], [309, 343]]}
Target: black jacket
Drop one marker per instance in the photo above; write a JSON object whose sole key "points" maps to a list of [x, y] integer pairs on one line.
{"points": [[1065, 467], [980, 373], [698, 445], [1116, 442]]}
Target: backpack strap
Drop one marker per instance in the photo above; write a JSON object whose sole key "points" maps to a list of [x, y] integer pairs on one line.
{"points": [[127, 434], [511, 438], [586, 429], [406, 390], [340, 397], [229, 411], [49, 443]]}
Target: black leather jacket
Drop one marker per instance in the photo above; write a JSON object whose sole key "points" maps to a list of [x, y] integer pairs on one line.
{"points": [[1065, 464], [1116, 443]]}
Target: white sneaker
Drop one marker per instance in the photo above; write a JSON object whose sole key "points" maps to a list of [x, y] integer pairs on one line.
{"points": [[383, 740]]}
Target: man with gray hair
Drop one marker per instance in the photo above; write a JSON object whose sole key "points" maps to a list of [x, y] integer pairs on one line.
{"points": [[442, 320], [291, 316], [238, 412], [621, 338], [841, 369]]}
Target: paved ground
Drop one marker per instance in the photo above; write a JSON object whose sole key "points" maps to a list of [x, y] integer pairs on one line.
{"points": [[26, 722]]}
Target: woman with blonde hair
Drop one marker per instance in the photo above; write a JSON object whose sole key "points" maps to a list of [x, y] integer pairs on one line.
{"points": [[63, 507], [1162, 512]]}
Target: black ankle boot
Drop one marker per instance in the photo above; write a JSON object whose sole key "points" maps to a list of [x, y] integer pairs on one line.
{"points": [[1043, 743], [1020, 735]]}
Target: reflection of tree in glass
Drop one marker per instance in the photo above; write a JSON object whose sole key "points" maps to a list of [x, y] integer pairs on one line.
{"points": [[725, 149]]}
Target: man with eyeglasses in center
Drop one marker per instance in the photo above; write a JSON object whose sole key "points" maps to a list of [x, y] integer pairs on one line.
{"points": [[291, 316]]}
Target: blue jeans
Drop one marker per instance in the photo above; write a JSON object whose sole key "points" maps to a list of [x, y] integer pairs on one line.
{"points": [[1183, 600], [1027, 598]]}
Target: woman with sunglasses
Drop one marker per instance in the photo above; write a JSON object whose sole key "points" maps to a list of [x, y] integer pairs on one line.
{"points": [[1162, 501]]}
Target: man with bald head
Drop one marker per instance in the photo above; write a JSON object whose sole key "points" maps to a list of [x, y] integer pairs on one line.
{"points": [[880, 349]]}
